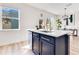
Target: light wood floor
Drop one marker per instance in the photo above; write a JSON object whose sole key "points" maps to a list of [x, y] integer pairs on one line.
{"points": [[74, 45], [22, 48]]}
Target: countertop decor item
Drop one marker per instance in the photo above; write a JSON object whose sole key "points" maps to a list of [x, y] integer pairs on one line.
{"points": [[37, 27], [40, 23], [58, 22], [48, 24]]}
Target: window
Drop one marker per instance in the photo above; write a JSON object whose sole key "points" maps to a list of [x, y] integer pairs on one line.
{"points": [[10, 18]]}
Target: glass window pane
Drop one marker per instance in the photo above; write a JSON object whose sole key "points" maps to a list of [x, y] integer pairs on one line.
{"points": [[8, 12], [14, 24], [6, 23], [10, 18]]}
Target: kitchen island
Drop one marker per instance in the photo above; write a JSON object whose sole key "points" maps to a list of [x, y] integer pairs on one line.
{"points": [[50, 43]]}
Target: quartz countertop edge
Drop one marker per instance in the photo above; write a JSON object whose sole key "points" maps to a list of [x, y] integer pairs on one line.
{"points": [[54, 33]]}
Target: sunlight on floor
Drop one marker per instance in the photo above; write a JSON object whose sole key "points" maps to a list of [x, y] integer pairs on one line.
{"points": [[16, 49]]}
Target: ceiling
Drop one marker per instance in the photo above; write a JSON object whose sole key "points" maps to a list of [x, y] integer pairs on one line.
{"points": [[57, 8]]}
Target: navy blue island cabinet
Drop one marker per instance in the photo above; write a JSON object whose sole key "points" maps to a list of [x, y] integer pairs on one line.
{"points": [[48, 45]]}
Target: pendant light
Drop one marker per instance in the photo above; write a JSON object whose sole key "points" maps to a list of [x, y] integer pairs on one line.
{"points": [[65, 17]]}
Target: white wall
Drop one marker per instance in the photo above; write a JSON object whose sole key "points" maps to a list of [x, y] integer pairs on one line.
{"points": [[77, 21], [74, 24], [29, 17]]}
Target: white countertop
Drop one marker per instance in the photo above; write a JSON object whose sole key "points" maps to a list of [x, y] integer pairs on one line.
{"points": [[55, 33]]}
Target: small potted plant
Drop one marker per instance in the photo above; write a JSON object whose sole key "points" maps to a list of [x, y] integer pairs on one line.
{"points": [[58, 22]]}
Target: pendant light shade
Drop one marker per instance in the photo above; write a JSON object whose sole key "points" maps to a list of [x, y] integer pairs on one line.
{"points": [[65, 17]]}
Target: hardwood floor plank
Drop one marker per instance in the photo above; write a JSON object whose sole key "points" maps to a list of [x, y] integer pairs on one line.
{"points": [[74, 46], [16, 49]]}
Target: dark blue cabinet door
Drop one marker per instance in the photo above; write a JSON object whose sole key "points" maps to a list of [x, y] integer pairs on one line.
{"points": [[35, 43], [46, 48], [47, 45]]}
